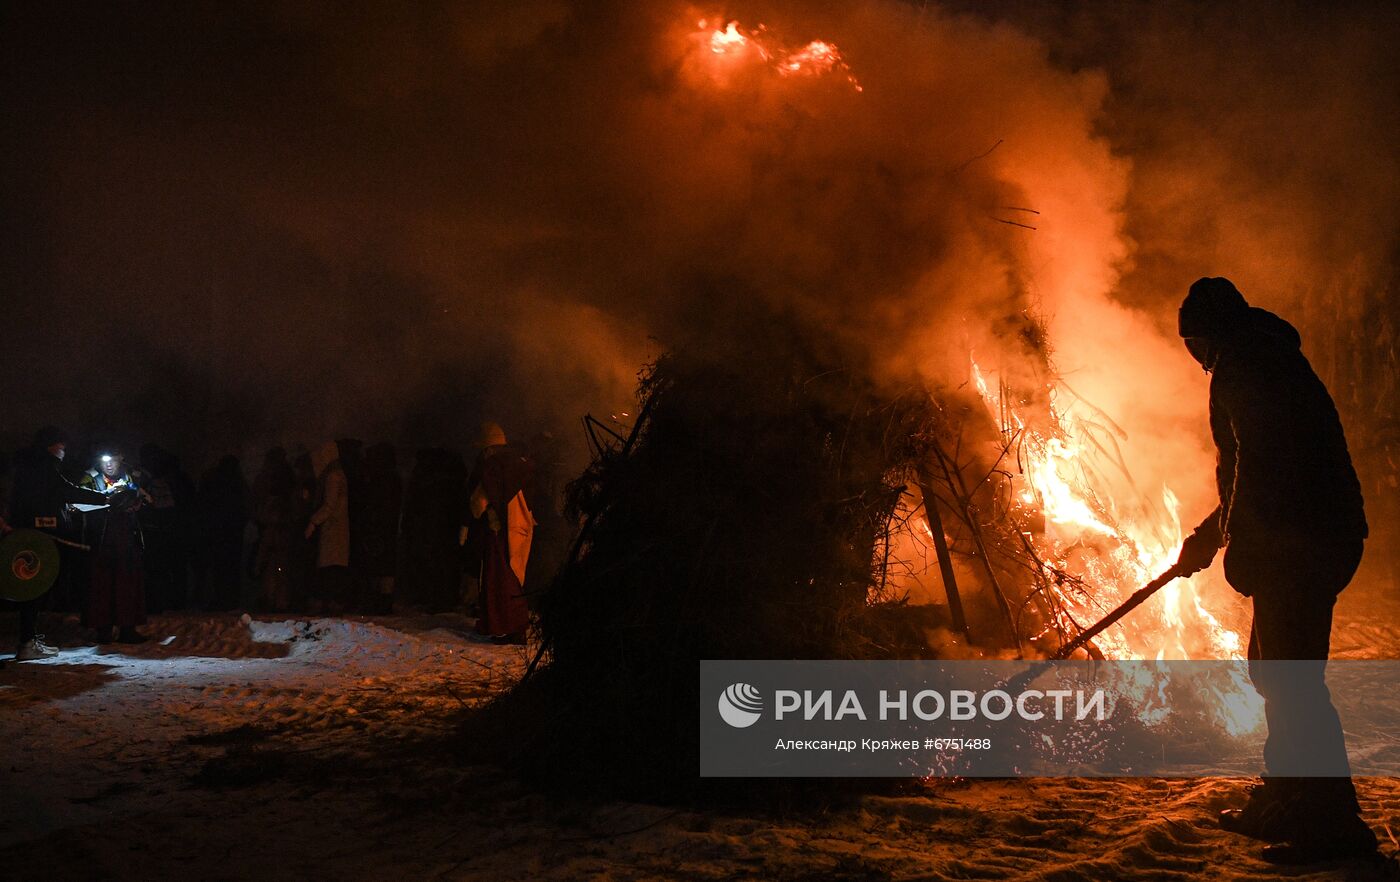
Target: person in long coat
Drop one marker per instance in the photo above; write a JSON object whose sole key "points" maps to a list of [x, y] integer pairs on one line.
{"points": [[163, 528], [274, 511], [303, 553], [116, 602], [430, 566], [330, 524], [380, 514], [499, 530], [223, 507]]}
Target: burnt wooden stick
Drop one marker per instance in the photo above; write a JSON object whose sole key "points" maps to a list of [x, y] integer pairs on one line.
{"points": [[953, 475], [1000, 595], [945, 560], [1023, 679], [1133, 602]]}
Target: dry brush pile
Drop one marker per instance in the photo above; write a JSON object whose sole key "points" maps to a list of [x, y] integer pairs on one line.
{"points": [[746, 514]]}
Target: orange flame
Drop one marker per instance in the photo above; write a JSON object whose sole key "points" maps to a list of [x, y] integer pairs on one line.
{"points": [[817, 58], [727, 40], [1113, 547]]}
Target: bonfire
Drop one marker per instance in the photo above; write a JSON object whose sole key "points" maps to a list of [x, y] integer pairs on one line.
{"points": [[780, 493]]}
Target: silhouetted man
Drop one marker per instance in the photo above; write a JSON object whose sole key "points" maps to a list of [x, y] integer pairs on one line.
{"points": [[1292, 522]]}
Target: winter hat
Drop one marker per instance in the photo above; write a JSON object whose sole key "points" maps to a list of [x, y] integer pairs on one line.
{"points": [[49, 436], [1213, 307], [492, 435]]}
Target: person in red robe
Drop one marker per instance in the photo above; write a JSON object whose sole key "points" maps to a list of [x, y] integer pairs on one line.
{"points": [[499, 529]]}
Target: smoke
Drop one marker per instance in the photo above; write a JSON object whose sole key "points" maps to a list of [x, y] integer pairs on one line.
{"points": [[287, 223], [1262, 140]]}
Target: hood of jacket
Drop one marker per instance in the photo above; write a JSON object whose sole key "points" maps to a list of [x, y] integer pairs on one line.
{"points": [[322, 457], [1262, 326]]}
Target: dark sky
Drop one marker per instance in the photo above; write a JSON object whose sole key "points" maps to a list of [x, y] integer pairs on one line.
{"points": [[233, 224], [208, 210]]}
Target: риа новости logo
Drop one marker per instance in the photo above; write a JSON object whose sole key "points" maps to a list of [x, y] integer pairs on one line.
{"points": [[741, 705]]}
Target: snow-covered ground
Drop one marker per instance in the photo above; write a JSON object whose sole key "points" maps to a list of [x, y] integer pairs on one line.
{"points": [[326, 749]]}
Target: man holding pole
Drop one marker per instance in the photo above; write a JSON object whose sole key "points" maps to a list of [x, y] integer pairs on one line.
{"points": [[1292, 523]]}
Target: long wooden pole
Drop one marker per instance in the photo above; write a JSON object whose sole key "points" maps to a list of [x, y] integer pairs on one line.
{"points": [[1133, 602], [953, 475], [945, 560]]}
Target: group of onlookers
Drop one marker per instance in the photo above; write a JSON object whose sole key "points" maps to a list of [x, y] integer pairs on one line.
{"points": [[334, 529]]}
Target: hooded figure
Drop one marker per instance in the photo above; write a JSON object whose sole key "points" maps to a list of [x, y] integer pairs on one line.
{"points": [[331, 520], [1283, 463], [500, 528], [1292, 522]]}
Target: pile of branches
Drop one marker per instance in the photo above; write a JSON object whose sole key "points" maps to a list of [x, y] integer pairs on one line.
{"points": [[739, 516]]}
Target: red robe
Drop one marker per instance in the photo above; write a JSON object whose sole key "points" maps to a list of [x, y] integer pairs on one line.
{"points": [[501, 476], [118, 593]]}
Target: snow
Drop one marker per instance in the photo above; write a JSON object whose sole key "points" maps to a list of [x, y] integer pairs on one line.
{"points": [[327, 748]]}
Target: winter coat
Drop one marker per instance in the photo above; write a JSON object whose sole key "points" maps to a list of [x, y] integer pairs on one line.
{"points": [[98, 522], [1283, 469], [223, 502], [332, 515], [380, 513], [41, 494]]}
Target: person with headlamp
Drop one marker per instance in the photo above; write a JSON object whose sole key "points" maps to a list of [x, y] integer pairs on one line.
{"points": [[117, 597]]}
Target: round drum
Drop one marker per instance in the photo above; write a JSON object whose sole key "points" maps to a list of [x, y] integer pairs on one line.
{"points": [[28, 565]]}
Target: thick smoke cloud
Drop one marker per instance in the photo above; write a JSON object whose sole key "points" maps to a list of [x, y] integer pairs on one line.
{"points": [[238, 226], [321, 220]]}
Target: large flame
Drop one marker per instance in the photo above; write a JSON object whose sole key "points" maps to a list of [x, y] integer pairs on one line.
{"points": [[1113, 547]]}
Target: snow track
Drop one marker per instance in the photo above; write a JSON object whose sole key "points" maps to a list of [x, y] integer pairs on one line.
{"points": [[328, 748]]}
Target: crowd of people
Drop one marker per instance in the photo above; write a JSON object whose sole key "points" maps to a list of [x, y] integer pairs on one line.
{"points": [[333, 530]]}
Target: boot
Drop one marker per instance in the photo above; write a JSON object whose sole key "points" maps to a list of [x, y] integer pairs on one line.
{"points": [[128, 634], [1266, 816], [34, 649], [1348, 838]]}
